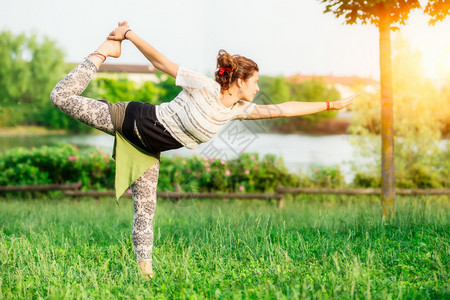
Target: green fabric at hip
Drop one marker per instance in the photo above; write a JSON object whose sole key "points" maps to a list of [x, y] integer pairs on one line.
{"points": [[131, 161]]}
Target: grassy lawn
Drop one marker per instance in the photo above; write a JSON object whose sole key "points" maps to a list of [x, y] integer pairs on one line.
{"points": [[316, 247]]}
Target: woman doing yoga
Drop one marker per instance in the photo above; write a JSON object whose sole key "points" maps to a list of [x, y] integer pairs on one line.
{"points": [[201, 109]]}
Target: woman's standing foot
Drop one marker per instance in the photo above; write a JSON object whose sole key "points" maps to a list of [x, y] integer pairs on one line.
{"points": [[145, 269]]}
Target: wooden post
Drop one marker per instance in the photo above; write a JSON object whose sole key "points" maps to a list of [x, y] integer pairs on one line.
{"points": [[280, 202], [178, 190]]}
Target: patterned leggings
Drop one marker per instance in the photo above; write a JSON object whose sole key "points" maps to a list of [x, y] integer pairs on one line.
{"points": [[66, 97]]}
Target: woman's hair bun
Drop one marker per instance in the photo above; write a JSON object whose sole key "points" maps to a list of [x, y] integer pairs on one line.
{"points": [[231, 67]]}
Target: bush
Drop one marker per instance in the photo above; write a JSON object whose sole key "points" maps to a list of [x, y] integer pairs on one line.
{"points": [[327, 177], [244, 174], [367, 180], [420, 176], [93, 169]]}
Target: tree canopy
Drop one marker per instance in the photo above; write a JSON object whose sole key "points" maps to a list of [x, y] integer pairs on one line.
{"points": [[30, 68], [365, 11]]}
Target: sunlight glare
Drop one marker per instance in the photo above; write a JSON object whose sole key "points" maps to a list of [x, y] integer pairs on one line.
{"points": [[432, 42]]}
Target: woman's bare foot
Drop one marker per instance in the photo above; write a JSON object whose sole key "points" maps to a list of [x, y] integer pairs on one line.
{"points": [[110, 48], [145, 269]]}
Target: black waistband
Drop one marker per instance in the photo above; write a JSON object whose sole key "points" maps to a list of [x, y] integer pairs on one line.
{"points": [[154, 135], [128, 131]]}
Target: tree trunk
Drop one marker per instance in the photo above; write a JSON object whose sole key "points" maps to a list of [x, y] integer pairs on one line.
{"points": [[387, 119]]}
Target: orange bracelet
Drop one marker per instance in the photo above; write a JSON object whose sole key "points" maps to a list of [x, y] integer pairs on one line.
{"points": [[328, 105], [98, 53]]}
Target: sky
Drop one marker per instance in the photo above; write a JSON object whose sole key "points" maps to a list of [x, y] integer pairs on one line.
{"points": [[283, 37]]}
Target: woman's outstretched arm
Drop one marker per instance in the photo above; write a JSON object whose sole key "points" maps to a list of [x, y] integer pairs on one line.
{"points": [[294, 108], [157, 59]]}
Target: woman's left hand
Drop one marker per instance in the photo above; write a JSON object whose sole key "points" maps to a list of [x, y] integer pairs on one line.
{"points": [[340, 104]]}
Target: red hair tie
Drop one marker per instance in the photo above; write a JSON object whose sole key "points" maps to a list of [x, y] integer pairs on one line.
{"points": [[222, 70]]}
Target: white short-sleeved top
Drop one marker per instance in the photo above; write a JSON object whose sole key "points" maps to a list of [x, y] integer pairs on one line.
{"points": [[197, 114]]}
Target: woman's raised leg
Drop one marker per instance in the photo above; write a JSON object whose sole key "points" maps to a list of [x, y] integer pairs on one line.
{"points": [[66, 94], [143, 192]]}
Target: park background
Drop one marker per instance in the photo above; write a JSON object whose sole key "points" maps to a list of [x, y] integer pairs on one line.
{"points": [[303, 55]]}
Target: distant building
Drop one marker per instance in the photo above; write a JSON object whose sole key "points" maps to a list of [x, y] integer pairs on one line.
{"points": [[137, 73]]}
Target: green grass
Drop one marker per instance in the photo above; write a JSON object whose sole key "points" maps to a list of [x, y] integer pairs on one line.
{"points": [[316, 247]]}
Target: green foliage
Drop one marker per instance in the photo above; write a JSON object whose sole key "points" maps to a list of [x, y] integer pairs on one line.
{"points": [[30, 68], [59, 120], [168, 88], [124, 89], [316, 91], [327, 247], [421, 176], [330, 177], [64, 163], [118, 88], [278, 90], [367, 180], [93, 169]]}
